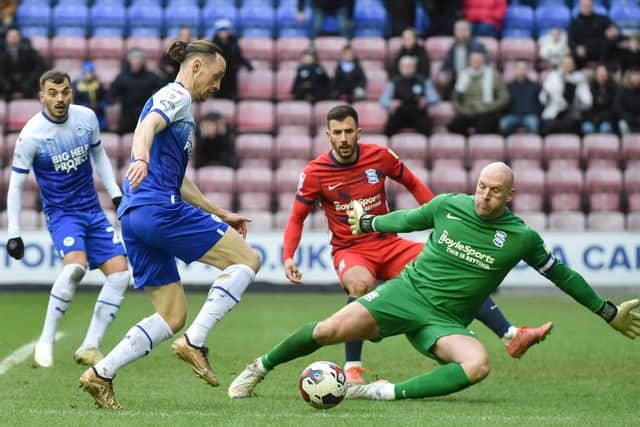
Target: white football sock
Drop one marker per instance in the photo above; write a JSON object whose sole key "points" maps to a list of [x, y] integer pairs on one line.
{"points": [[352, 364], [224, 294], [61, 295], [508, 336], [106, 307], [138, 342]]}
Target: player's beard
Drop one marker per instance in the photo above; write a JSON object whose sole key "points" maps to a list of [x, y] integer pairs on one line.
{"points": [[58, 114]]}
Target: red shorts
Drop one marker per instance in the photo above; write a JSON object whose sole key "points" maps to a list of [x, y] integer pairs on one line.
{"points": [[384, 258]]}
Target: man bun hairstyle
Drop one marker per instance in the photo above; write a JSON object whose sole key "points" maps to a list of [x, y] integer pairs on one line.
{"points": [[179, 51]]}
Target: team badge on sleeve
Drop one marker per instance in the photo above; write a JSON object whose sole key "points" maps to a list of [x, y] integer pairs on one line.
{"points": [[548, 263], [301, 178], [393, 153]]}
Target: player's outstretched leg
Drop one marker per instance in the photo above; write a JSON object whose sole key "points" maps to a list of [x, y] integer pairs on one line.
{"points": [[353, 358], [61, 295], [526, 337], [104, 313], [224, 294]]}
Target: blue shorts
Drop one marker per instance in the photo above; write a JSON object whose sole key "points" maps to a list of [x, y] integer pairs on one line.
{"points": [[155, 235], [89, 232]]}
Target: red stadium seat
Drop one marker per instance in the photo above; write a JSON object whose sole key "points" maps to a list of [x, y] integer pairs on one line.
{"points": [[255, 116], [376, 81], [631, 147], [254, 179], [599, 202], [393, 47], [605, 221], [601, 149], [564, 180], [372, 64], [151, 46], [486, 148], [260, 220], [19, 112], [293, 147], [111, 144], [42, 45], [222, 199], [567, 221], [112, 113], [293, 130], [329, 66], [562, 150], [284, 81], [255, 145], [372, 116], [633, 221], [634, 202], [513, 48], [413, 163], [321, 145], [255, 201], [405, 200], [535, 220], [126, 142], [293, 164], [286, 180], [603, 179], [30, 198], [297, 113], [107, 70], [524, 149], [374, 48], [565, 202], [258, 48], [285, 201], [72, 66], [216, 179], [30, 218], [492, 46], [281, 218], [106, 48], [448, 147], [3, 113], [329, 47], [225, 107], [8, 148], [632, 180], [69, 47], [290, 48], [396, 189], [530, 180], [320, 110], [256, 84], [409, 146], [441, 113], [449, 180], [375, 138], [438, 47]]}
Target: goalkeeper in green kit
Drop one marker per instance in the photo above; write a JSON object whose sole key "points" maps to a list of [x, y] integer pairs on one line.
{"points": [[475, 242]]}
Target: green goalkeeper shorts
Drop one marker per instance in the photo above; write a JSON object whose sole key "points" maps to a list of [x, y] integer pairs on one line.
{"points": [[399, 309]]}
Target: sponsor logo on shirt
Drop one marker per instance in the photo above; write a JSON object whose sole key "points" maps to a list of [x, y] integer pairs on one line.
{"points": [[68, 241], [367, 203], [334, 186], [499, 238], [449, 216], [68, 161], [372, 176], [465, 252]]}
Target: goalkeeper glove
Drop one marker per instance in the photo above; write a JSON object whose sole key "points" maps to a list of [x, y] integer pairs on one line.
{"points": [[15, 247], [621, 318], [358, 219]]}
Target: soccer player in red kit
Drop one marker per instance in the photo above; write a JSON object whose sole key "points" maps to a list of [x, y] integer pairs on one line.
{"points": [[356, 171]]}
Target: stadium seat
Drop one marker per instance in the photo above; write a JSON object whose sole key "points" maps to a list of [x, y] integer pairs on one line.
{"points": [[254, 201], [564, 180], [71, 66], [605, 221], [256, 84], [512, 49], [441, 113], [145, 20], [107, 70], [151, 46], [255, 116], [257, 19], [528, 202], [42, 45], [449, 179], [567, 221], [486, 148], [627, 17], [214, 11], [216, 178], [409, 146], [601, 149], [290, 48], [518, 22], [221, 199], [329, 47], [296, 113], [19, 111], [603, 179], [630, 150], [372, 116], [3, 115], [284, 81], [560, 202], [599, 202], [535, 220], [562, 150], [225, 107], [370, 48], [293, 147], [293, 130], [33, 19], [258, 48], [287, 20], [70, 19], [633, 202], [111, 143], [492, 46], [108, 19], [369, 17], [551, 16], [285, 200], [450, 148], [633, 221], [321, 145], [286, 180], [112, 114], [437, 47], [376, 81], [69, 47], [395, 189], [530, 180], [260, 220], [254, 179], [375, 138], [405, 200], [524, 150], [106, 48], [632, 181], [182, 14], [256, 146], [320, 110], [281, 217]]}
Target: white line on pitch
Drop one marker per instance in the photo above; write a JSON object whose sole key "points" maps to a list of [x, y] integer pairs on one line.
{"points": [[21, 354]]}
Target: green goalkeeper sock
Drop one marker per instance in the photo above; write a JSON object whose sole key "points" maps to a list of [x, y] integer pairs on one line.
{"points": [[300, 343], [443, 380]]}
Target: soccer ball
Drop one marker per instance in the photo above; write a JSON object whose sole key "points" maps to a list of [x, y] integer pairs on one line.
{"points": [[322, 385]]}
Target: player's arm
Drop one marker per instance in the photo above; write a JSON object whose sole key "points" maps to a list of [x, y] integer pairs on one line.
{"points": [[192, 194], [23, 156], [292, 235], [103, 166], [571, 282], [399, 172], [402, 221], [152, 124]]}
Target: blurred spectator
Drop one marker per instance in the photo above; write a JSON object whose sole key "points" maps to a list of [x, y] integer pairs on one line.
{"points": [[479, 97], [215, 143], [592, 37], [168, 67], [524, 106], [628, 102], [132, 87], [88, 91], [565, 96], [602, 116], [486, 16], [349, 81], [402, 14], [406, 98], [457, 58], [228, 42], [7, 15], [411, 47], [20, 66], [442, 16], [630, 55], [554, 47], [312, 82], [320, 9]]}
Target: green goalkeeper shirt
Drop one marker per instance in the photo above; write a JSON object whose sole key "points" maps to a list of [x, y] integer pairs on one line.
{"points": [[467, 257]]}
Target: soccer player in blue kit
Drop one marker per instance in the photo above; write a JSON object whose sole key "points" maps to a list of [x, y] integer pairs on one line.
{"points": [[164, 216], [58, 144]]}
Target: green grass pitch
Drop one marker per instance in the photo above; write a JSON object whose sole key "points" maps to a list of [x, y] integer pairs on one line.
{"points": [[583, 374]]}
